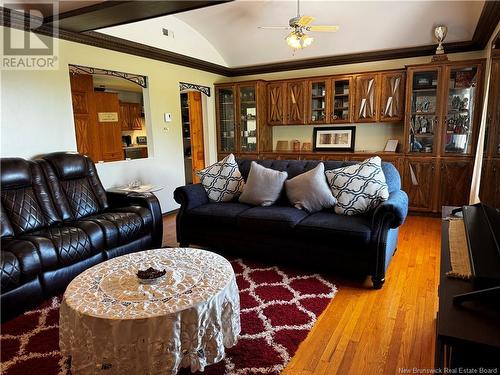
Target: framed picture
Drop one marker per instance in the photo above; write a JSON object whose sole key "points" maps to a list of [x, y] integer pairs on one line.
{"points": [[334, 138]]}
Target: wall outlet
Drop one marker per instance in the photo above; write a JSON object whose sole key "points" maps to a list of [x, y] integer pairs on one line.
{"points": [[167, 117]]}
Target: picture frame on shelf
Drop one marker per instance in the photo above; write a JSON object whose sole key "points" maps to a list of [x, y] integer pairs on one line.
{"points": [[391, 145], [340, 138]]}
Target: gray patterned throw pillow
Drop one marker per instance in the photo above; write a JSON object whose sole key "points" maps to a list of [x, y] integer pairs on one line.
{"points": [[222, 181], [358, 188]]}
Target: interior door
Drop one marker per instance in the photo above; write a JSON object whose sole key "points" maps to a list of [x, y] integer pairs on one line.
{"points": [[109, 130], [196, 131], [275, 103], [367, 97], [392, 96], [295, 99]]}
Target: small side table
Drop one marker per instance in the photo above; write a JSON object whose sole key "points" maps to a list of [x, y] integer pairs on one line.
{"points": [[138, 189]]}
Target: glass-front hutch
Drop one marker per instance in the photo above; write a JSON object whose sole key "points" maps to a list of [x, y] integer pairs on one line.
{"points": [[241, 118]]}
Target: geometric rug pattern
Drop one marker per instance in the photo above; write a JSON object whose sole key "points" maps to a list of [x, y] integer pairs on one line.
{"points": [[278, 308]]}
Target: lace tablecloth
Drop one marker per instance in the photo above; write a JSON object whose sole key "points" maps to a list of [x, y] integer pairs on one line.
{"points": [[112, 324]]}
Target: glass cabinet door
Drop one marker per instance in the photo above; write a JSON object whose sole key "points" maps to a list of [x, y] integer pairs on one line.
{"points": [[248, 119], [341, 97], [318, 102], [423, 118], [459, 120], [226, 119]]}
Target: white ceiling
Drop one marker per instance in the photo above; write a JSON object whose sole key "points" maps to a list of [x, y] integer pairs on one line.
{"points": [[231, 28]]}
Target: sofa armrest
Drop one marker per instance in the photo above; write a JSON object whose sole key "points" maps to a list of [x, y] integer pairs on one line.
{"points": [[190, 196], [146, 200], [393, 211]]}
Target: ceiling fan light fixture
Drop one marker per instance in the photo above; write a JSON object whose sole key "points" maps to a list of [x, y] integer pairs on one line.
{"points": [[294, 40], [298, 40], [306, 40]]}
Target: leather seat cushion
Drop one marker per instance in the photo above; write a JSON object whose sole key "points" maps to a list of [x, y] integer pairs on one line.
{"points": [[73, 244], [270, 219], [339, 229], [24, 266], [10, 271], [216, 214], [124, 225]]}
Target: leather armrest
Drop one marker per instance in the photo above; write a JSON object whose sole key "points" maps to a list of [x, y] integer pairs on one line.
{"points": [[146, 200], [190, 196], [394, 210]]}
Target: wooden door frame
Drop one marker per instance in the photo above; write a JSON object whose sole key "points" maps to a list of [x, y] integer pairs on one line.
{"points": [[191, 94]]}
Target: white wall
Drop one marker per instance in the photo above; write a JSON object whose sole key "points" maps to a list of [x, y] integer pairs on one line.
{"points": [[183, 38], [36, 115]]}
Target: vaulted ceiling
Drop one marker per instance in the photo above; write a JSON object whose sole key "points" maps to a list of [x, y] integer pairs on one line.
{"points": [[231, 28]]}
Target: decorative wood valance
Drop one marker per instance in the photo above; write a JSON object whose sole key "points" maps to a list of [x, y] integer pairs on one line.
{"points": [[191, 86], [134, 78]]}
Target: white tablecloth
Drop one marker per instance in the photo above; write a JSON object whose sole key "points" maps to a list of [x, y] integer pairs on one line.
{"points": [[112, 324]]}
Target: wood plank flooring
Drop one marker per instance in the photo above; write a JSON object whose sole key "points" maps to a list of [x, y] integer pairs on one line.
{"points": [[366, 331]]}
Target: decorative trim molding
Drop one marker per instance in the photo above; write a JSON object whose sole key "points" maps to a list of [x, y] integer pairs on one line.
{"points": [[134, 78], [191, 86], [488, 20]]}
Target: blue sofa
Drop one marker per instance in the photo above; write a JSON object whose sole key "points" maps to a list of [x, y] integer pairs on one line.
{"points": [[355, 245]]}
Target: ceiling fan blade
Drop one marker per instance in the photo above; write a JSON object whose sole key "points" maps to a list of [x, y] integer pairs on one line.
{"points": [[274, 27], [323, 28], [305, 20]]}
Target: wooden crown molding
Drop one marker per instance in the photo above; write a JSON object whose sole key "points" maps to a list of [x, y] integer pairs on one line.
{"points": [[490, 16], [114, 13]]}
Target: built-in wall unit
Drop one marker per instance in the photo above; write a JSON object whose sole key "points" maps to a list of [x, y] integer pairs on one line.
{"points": [[432, 110]]}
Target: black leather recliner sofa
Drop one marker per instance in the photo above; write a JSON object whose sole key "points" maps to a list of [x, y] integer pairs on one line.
{"points": [[57, 220]]}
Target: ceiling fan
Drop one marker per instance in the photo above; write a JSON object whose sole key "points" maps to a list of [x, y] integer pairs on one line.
{"points": [[300, 25]]}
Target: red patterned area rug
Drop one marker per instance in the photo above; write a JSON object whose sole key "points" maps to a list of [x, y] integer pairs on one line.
{"points": [[278, 308]]}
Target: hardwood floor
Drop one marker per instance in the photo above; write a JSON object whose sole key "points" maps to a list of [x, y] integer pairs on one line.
{"points": [[366, 331]]}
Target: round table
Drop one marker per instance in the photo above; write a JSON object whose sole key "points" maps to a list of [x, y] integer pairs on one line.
{"points": [[110, 323]]}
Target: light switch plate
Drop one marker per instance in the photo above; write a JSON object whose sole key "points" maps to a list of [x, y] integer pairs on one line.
{"points": [[167, 117]]}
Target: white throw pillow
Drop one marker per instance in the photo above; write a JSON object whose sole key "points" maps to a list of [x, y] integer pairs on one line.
{"points": [[222, 181], [358, 188], [309, 191], [263, 186]]}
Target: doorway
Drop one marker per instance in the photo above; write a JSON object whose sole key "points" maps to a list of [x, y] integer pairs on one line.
{"points": [[192, 135]]}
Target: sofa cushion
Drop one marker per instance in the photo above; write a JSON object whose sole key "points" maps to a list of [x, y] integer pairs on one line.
{"points": [[222, 181], [337, 229], [270, 219], [309, 191], [10, 271], [124, 225], [358, 188], [27, 257], [216, 213], [263, 186]]}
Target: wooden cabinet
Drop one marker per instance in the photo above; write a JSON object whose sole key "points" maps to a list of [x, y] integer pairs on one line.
{"points": [[295, 100], [85, 116], [130, 116], [241, 118], [419, 183], [455, 181], [392, 96], [366, 97], [492, 140], [341, 100], [442, 110], [379, 97], [490, 183], [275, 103], [318, 96]]}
